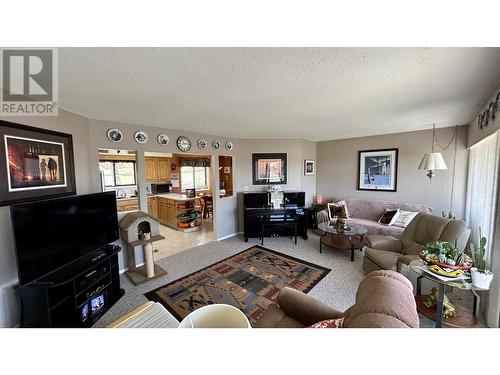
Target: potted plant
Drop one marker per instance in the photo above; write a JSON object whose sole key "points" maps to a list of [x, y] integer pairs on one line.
{"points": [[481, 277]]}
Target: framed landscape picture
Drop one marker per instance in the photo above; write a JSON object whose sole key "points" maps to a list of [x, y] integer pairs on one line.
{"points": [[34, 164], [378, 170], [269, 168]]}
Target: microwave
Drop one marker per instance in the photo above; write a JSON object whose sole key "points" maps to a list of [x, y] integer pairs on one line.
{"points": [[161, 188]]}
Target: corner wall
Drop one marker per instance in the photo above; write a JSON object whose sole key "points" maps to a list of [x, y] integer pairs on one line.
{"points": [[338, 169], [66, 122]]}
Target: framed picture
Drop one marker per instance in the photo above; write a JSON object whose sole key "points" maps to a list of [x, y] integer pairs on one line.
{"points": [[378, 170], [34, 164], [308, 167], [269, 169]]}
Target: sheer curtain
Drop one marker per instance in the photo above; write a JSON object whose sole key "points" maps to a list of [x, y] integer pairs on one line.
{"points": [[481, 202]]}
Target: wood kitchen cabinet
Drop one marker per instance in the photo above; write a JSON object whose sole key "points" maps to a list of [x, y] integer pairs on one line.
{"points": [[162, 210], [157, 169], [151, 169], [153, 206], [127, 204]]}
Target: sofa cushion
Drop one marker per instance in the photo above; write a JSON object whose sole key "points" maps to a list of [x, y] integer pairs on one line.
{"points": [[385, 259], [329, 323], [389, 217], [337, 210], [375, 228]]}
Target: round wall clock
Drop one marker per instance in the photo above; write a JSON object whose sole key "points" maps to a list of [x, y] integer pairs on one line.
{"points": [[163, 139], [141, 137], [216, 144], [202, 144], [115, 135], [183, 143], [229, 146]]}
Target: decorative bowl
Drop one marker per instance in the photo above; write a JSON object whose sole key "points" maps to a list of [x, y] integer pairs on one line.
{"points": [[445, 265]]}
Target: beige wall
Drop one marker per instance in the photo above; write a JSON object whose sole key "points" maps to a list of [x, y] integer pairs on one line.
{"points": [[66, 122], [297, 151], [476, 134], [337, 163]]}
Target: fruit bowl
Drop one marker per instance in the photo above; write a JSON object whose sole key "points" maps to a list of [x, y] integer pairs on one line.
{"points": [[445, 265]]}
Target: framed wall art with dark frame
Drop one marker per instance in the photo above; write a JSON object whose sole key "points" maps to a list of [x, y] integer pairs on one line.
{"points": [[309, 167], [34, 164], [269, 169], [378, 170]]}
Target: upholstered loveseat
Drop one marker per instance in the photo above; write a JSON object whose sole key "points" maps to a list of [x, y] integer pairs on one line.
{"points": [[384, 300], [367, 212]]}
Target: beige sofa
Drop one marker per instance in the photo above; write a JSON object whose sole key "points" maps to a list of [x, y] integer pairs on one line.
{"points": [[384, 300], [388, 252], [367, 212]]}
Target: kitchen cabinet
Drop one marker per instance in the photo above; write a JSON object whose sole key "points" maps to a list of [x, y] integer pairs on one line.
{"points": [[162, 210], [127, 204], [151, 169], [157, 169], [153, 206]]}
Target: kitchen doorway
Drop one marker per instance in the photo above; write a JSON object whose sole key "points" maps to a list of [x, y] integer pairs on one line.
{"points": [[179, 191]]}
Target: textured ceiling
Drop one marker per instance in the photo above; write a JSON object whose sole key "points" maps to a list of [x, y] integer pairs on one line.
{"points": [[309, 93]]}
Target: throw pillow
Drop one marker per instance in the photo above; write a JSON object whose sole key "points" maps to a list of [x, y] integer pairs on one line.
{"points": [[389, 217], [337, 210], [329, 323], [404, 218]]}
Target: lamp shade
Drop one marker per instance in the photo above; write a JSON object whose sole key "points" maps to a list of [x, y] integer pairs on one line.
{"points": [[432, 161]]}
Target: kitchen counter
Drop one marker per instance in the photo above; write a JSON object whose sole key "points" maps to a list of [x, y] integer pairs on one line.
{"points": [[176, 197]]}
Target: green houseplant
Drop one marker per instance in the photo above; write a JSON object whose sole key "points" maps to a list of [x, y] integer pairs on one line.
{"points": [[481, 276]]}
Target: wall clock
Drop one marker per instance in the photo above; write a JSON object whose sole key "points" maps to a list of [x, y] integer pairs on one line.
{"points": [[141, 137], [183, 143], [163, 139], [229, 146], [216, 144], [115, 135], [202, 144]]}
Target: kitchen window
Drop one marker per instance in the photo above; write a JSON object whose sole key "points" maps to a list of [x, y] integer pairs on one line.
{"points": [[118, 173], [195, 177]]}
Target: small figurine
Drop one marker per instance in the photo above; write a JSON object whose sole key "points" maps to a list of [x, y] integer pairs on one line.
{"points": [[430, 300]]}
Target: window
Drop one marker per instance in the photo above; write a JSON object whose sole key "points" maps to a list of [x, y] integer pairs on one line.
{"points": [[195, 177], [118, 173]]}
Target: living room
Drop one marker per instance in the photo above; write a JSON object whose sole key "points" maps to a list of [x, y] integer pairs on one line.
{"points": [[229, 187]]}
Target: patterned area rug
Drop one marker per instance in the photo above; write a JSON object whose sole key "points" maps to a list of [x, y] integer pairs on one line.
{"points": [[250, 281]]}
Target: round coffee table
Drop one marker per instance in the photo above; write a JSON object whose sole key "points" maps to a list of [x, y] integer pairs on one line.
{"points": [[350, 238]]}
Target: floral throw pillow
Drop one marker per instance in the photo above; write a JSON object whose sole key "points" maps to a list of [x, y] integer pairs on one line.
{"points": [[329, 323], [337, 210], [389, 217], [404, 218]]}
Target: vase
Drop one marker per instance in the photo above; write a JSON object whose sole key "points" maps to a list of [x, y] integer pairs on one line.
{"points": [[481, 279]]}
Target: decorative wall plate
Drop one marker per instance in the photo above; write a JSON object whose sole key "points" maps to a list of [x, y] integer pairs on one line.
{"points": [[115, 135], [163, 139], [216, 145], [141, 137], [229, 146], [202, 144], [183, 143]]}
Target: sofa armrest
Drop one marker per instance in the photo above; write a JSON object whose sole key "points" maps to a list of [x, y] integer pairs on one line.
{"points": [[304, 308], [389, 243]]}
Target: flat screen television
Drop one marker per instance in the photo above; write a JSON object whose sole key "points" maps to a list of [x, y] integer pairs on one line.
{"points": [[52, 233]]}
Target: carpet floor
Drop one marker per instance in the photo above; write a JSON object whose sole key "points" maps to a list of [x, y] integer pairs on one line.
{"points": [[250, 280], [337, 289]]}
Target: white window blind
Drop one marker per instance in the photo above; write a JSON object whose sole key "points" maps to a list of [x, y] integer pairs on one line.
{"points": [[482, 188]]}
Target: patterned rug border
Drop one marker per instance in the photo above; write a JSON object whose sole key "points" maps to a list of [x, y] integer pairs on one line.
{"points": [[152, 295]]}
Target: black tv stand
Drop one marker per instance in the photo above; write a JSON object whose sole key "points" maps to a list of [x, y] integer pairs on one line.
{"points": [[75, 295]]}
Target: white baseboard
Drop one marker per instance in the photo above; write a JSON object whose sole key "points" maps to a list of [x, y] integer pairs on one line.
{"points": [[228, 236]]}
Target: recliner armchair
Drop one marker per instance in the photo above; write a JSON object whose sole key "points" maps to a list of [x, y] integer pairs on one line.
{"points": [[387, 253]]}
